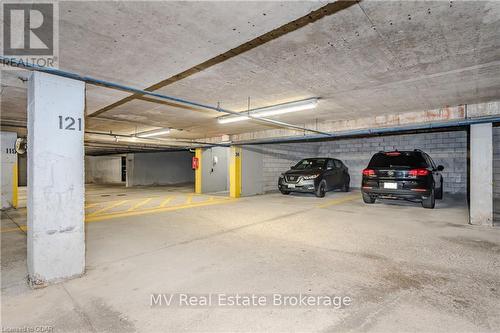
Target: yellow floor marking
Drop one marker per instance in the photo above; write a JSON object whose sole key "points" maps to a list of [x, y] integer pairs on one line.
{"points": [[129, 198], [339, 200], [93, 204], [23, 228], [93, 218], [189, 199], [166, 201], [108, 207], [143, 202]]}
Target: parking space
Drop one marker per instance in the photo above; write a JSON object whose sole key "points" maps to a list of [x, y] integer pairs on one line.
{"points": [[394, 259], [105, 202]]}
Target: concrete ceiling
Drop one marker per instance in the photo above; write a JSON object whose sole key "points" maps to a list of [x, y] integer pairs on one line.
{"points": [[373, 58]]}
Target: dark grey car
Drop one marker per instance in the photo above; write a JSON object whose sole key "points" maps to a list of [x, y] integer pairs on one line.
{"points": [[315, 175]]}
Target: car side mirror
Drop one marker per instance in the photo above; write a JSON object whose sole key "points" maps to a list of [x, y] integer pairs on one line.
{"points": [[440, 168], [292, 167]]}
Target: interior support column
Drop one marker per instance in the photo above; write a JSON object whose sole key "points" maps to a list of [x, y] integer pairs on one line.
{"points": [[481, 174], [197, 171], [9, 170], [235, 172], [56, 240]]}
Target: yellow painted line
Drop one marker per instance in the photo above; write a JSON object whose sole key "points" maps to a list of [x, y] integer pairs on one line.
{"points": [[92, 218], [235, 172], [94, 204], [15, 198], [197, 173], [143, 202], [129, 198], [108, 207], [166, 201], [339, 200], [23, 228], [189, 199]]}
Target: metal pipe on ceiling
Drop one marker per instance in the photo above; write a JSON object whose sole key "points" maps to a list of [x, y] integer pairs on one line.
{"points": [[157, 139], [449, 125], [22, 124], [87, 79]]}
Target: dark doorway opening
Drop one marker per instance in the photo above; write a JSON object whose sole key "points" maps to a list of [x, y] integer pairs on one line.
{"points": [[124, 168]]}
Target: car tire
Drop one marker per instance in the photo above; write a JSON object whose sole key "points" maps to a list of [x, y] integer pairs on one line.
{"points": [[285, 192], [321, 189], [345, 188], [439, 194], [368, 199], [430, 201]]}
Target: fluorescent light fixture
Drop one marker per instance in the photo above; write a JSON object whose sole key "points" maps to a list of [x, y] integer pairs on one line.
{"points": [[231, 119], [156, 132], [273, 110]]}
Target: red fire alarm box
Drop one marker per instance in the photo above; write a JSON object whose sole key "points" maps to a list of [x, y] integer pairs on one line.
{"points": [[195, 163]]}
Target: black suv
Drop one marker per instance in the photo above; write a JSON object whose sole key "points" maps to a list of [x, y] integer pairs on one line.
{"points": [[316, 175], [410, 175]]}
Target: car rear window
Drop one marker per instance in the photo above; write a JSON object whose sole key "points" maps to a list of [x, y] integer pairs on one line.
{"points": [[394, 160]]}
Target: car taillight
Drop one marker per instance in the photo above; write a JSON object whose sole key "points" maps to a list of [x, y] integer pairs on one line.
{"points": [[368, 172], [418, 172]]}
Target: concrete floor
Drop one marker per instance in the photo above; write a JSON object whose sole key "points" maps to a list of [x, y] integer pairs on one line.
{"points": [[406, 268]]}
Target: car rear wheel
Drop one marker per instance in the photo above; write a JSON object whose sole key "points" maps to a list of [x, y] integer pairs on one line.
{"points": [[368, 198], [321, 190], [430, 201]]}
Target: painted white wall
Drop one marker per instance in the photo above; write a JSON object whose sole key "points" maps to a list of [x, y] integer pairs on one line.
{"points": [[56, 239], [9, 160], [103, 169], [163, 168], [215, 177], [252, 171]]}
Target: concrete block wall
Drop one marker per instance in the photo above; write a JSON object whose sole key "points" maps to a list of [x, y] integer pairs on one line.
{"points": [[446, 148], [277, 158]]}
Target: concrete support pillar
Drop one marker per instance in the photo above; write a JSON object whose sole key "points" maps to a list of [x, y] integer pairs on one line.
{"points": [[197, 172], [56, 242], [9, 170], [130, 170], [235, 172], [481, 174]]}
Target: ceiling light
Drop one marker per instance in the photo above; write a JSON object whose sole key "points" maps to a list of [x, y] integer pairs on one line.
{"points": [[273, 110], [231, 119], [156, 132]]}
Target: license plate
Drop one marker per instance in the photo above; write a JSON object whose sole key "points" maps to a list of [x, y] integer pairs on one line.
{"points": [[291, 185], [392, 186]]}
